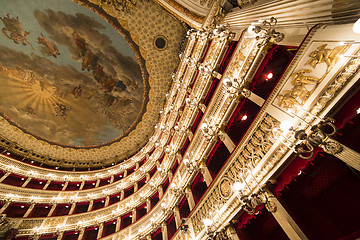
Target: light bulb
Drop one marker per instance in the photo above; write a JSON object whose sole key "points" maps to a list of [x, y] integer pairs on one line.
{"points": [[251, 29], [204, 125], [207, 222], [238, 186], [356, 27], [285, 126]]}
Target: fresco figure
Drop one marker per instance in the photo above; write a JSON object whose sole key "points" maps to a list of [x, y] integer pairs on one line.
{"points": [[89, 61], [61, 110], [80, 44], [17, 33], [50, 48], [77, 92]]}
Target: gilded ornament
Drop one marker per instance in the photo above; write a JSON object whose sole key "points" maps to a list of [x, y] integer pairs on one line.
{"points": [[299, 93], [225, 188], [325, 55]]}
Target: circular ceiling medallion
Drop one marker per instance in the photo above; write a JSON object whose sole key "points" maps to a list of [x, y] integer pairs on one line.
{"points": [[160, 42], [67, 76]]}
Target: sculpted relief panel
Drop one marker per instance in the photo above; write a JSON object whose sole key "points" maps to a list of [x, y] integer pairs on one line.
{"points": [[304, 80]]}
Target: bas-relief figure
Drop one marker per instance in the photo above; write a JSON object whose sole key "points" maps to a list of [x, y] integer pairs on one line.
{"points": [[303, 84], [289, 98], [325, 55]]}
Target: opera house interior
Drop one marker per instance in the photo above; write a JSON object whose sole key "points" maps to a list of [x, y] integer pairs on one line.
{"points": [[180, 119]]}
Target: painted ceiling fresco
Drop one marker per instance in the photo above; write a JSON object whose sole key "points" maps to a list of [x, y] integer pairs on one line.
{"points": [[66, 75]]}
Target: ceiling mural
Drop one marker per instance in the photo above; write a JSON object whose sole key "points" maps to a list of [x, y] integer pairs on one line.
{"points": [[66, 75], [82, 82]]}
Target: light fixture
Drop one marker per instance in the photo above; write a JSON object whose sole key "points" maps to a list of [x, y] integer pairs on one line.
{"points": [[238, 186], [270, 76], [244, 117], [209, 131], [184, 227], [207, 222], [190, 166], [319, 136], [286, 126], [176, 191], [358, 111], [266, 31], [251, 29], [356, 26]]}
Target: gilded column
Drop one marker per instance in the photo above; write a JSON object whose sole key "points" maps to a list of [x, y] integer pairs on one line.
{"points": [[97, 183], [107, 201], [178, 156], [136, 187], [177, 216], [224, 137], [90, 205], [3, 208], [26, 182], [206, 173], [47, 184], [190, 198], [29, 210], [100, 232], [60, 235], [164, 231], [5, 176], [73, 205], [52, 209], [161, 191], [118, 224], [170, 175], [285, 221], [81, 234], [65, 186], [133, 219], [82, 185], [148, 205]]}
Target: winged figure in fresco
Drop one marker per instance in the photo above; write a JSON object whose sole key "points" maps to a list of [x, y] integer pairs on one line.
{"points": [[89, 62], [61, 110], [50, 48], [17, 33]]}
